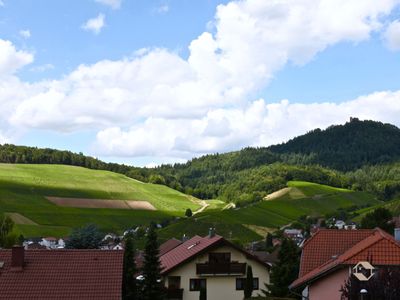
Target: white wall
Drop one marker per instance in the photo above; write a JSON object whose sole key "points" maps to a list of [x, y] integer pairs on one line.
{"points": [[219, 287]]}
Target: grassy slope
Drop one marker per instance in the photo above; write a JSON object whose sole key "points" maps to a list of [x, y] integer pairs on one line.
{"points": [[23, 187], [393, 206], [304, 198]]}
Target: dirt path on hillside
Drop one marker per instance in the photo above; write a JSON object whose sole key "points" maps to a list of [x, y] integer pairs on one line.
{"points": [[20, 219], [204, 205], [277, 194]]}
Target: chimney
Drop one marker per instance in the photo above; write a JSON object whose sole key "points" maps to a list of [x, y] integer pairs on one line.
{"points": [[17, 257], [211, 232], [397, 234]]}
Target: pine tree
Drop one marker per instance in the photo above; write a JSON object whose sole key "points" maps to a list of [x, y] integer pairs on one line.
{"points": [[129, 287], [268, 241], [248, 284], [152, 288], [286, 270]]}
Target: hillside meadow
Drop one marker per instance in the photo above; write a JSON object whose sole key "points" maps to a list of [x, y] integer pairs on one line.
{"points": [[24, 188]]}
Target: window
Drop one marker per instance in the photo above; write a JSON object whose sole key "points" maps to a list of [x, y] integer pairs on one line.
{"points": [[241, 281], [219, 257], [174, 282], [197, 284]]}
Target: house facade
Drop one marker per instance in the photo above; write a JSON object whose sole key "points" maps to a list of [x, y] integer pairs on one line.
{"points": [[331, 256], [211, 264]]}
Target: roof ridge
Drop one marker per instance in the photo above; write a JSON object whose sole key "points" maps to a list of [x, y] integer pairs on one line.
{"points": [[388, 237], [370, 241]]}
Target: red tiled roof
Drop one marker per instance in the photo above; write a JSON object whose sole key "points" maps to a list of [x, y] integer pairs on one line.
{"points": [[327, 243], [379, 248], [169, 245], [186, 251], [63, 274], [196, 246]]}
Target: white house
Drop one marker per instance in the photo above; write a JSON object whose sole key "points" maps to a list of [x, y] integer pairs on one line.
{"points": [[214, 265]]}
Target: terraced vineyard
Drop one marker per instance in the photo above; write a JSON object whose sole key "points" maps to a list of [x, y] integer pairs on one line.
{"points": [[300, 198]]}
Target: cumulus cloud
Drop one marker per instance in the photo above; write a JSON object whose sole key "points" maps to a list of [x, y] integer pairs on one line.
{"points": [[95, 25], [114, 4], [26, 34], [12, 59], [158, 103], [42, 68], [392, 36], [162, 9], [259, 124]]}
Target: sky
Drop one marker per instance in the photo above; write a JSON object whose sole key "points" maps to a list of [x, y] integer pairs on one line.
{"points": [[145, 82]]}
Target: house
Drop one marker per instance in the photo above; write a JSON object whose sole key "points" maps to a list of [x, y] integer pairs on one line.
{"points": [[49, 242], [294, 234], [52, 243], [350, 226], [213, 264], [60, 274], [329, 257]]}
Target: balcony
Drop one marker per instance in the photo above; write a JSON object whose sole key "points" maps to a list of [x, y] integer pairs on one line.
{"points": [[175, 294], [231, 268]]}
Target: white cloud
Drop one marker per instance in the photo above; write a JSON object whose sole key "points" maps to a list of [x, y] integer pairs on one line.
{"points": [[26, 34], [259, 124], [1, 3], [157, 103], [11, 59], [162, 9], [42, 68], [95, 24], [392, 36], [114, 4]]}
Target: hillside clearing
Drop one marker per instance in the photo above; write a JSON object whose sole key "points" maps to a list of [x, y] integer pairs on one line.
{"points": [[20, 219], [277, 194], [101, 203]]}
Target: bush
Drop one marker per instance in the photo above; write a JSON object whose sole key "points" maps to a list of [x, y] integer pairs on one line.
{"points": [[188, 213]]}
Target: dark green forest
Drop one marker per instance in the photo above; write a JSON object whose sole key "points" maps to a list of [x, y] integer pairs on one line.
{"points": [[361, 155]]}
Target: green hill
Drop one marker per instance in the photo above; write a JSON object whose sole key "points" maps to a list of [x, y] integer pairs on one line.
{"points": [[24, 188], [298, 199]]}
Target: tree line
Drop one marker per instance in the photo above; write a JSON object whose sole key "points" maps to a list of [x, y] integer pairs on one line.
{"points": [[360, 155]]}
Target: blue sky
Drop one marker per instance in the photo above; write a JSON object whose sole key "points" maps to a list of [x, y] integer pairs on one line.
{"points": [[146, 82]]}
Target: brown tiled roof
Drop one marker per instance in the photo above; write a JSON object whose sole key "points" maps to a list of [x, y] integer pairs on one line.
{"points": [[379, 248], [196, 246], [63, 274], [186, 251], [169, 245]]}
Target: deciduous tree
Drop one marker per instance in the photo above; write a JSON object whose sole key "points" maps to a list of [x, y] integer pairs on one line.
{"points": [[87, 237]]}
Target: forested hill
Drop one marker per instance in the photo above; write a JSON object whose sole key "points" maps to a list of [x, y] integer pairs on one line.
{"points": [[347, 147], [341, 156]]}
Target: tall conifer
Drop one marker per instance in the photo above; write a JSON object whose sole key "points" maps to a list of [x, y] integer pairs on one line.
{"points": [[152, 287], [129, 287]]}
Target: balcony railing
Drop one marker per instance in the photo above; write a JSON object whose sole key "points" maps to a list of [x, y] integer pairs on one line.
{"points": [[221, 268], [176, 294]]}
